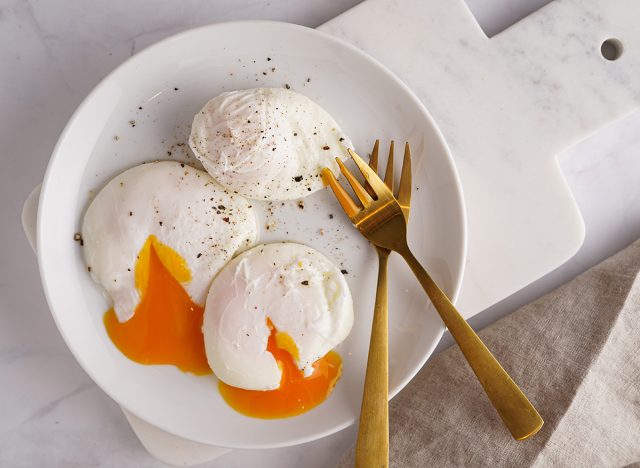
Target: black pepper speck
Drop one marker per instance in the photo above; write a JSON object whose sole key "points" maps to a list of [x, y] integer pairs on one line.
{"points": [[78, 238]]}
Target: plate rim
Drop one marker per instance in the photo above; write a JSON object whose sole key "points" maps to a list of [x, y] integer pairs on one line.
{"points": [[244, 23]]}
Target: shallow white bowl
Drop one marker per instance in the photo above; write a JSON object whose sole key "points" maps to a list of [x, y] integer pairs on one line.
{"points": [[170, 81]]}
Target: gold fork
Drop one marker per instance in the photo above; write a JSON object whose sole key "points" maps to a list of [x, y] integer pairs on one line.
{"points": [[372, 447], [381, 221]]}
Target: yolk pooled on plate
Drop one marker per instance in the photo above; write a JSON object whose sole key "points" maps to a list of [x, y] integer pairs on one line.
{"points": [[297, 394], [167, 325]]}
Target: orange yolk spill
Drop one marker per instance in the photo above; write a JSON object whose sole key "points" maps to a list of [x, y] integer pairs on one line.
{"points": [[167, 325], [296, 394], [166, 328]]}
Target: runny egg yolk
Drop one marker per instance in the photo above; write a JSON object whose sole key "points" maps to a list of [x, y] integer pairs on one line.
{"points": [[297, 394], [166, 327]]}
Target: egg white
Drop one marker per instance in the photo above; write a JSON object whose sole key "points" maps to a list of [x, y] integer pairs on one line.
{"points": [[183, 207], [267, 143], [293, 285]]}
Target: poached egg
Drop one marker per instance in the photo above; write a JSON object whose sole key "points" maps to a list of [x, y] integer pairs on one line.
{"points": [[267, 143], [181, 207], [286, 292], [154, 238]]}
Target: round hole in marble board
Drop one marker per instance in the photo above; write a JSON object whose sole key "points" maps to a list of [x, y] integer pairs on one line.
{"points": [[611, 49]]}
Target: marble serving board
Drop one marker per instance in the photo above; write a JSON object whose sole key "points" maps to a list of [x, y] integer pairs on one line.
{"points": [[507, 106]]}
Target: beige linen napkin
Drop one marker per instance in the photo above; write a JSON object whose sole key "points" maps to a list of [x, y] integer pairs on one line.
{"points": [[576, 354]]}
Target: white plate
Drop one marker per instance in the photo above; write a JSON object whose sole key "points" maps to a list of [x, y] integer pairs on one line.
{"points": [[171, 81]]}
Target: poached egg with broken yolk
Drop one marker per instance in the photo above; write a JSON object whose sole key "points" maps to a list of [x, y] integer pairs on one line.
{"points": [[272, 317], [154, 238]]}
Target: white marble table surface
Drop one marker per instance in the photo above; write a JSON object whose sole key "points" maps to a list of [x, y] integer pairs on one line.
{"points": [[52, 54]]}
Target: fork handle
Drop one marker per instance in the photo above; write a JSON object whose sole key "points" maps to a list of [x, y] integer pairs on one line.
{"points": [[372, 447], [516, 411]]}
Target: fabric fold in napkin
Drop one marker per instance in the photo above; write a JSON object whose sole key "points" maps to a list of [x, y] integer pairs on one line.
{"points": [[575, 353]]}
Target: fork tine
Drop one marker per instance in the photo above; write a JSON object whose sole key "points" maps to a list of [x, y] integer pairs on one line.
{"points": [[404, 191], [373, 164], [348, 205], [388, 174], [358, 189], [376, 183], [373, 161]]}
